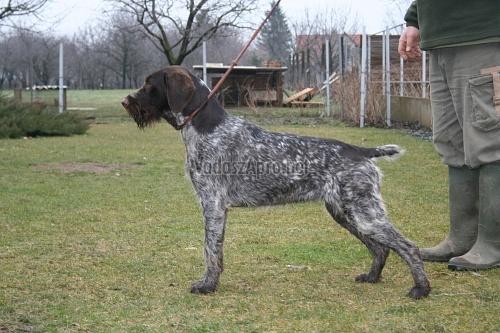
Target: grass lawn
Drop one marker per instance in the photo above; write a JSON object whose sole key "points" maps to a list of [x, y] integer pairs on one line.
{"points": [[117, 251]]}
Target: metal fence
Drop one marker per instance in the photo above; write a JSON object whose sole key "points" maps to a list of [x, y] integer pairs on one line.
{"points": [[383, 70], [370, 70]]}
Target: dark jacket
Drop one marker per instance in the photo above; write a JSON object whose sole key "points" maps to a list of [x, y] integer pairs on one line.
{"points": [[447, 22]]}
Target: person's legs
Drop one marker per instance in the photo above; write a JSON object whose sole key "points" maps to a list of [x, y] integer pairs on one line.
{"points": [[447, 133], [481, 128], [486, 251], [463, 202], [463, 182], [473, 96]]}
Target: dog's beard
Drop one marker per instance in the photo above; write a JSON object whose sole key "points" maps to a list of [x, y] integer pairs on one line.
{"points": [[143, 116]]}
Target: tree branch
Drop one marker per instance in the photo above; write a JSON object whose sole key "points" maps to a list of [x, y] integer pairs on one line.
{"points": [[177, 38], [20, 8]]}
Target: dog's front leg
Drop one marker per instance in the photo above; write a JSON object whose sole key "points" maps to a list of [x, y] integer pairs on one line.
{"points": [[215, 223]]}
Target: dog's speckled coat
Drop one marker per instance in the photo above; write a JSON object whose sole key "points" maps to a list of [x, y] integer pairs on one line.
{"points": [[232, 162]]}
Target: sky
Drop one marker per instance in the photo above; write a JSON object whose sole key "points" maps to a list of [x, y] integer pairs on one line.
{"points": [[68, 16]]}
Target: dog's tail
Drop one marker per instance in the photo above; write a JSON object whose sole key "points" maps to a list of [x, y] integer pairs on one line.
{"points": [[388, 152]]}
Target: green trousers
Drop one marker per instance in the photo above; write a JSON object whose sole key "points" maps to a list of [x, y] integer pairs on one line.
{"points": [[466, 126]]}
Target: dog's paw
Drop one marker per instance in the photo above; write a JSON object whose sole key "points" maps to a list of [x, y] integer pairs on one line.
{"points": [[362, 278], [202, 287], [419, 292]]}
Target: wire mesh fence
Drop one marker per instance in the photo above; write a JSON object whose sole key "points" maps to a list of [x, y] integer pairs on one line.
{"points": [[382, 75], [42, 95]]}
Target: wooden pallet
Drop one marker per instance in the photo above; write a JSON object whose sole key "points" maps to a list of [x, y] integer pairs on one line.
{"points": [[303, 95], [304, 104]]}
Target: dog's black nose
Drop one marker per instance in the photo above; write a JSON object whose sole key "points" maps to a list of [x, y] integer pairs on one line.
{"points": [[125, 102]]}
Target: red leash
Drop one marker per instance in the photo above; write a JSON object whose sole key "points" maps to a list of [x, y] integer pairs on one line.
{"points": [[228, 71]]}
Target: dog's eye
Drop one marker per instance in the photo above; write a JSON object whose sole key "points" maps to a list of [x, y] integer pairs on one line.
{"points": [[150, 89]]}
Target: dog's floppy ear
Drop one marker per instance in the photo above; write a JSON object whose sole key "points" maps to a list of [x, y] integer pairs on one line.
{"points": [[180, 88]]}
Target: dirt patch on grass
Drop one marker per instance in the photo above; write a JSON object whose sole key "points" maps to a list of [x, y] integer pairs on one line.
{"points": [[90, 167]]}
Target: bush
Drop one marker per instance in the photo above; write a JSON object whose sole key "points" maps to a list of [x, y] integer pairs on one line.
{"points": [[349, 96], [37, 120]]}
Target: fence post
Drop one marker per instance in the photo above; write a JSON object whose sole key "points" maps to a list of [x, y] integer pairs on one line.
{"points": [[369, 57], [388, 76], [327, 65], [424, 74], [322, 58], [205, 63], [341, 65], [61, 78], [308, 67], [341, 55], [18, 95], [383, 62], [362, 100], [294, 70], [303, 65]]}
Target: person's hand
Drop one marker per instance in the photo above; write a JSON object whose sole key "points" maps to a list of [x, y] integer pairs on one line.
{"points": [[408, 43]]}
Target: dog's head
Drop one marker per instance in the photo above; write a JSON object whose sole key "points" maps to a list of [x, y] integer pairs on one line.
{"points": [[164, 94]]}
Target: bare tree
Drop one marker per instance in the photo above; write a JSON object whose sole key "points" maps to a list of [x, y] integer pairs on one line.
{"points": [[88, 62], [27, 58], [124, 49], [175, 28], [395, 11], [222, 48], [310, 32], [10, 8]]}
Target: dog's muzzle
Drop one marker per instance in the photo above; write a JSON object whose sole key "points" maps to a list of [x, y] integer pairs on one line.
{"points": [[126, 102]]}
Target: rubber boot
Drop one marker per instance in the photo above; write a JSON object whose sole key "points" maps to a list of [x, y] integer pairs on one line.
{"points": [[464, 198], [485, 253]]}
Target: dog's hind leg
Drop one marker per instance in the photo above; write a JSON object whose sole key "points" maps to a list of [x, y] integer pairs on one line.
{"points": [[370, 220], [378, 251], [387, 234], [360, 207], [215, 224]]}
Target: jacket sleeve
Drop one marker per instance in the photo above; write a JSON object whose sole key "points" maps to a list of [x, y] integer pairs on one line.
{"points": [[411, 16]]}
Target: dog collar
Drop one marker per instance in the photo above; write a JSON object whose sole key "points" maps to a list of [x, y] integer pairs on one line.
{"points": [[193, 114]]}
